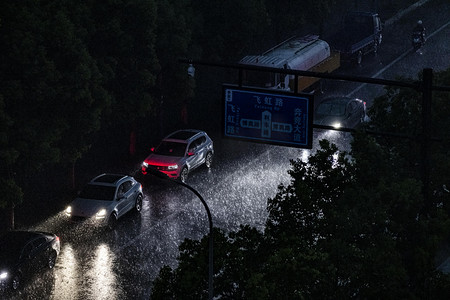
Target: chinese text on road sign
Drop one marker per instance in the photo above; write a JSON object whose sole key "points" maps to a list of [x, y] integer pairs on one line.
{"points": [[273, 117]]}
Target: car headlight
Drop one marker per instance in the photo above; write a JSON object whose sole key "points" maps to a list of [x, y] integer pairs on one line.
{"points": [[172, 167], [3, 275], [144, 164], [336, 125], [69, 210], [101, 214]]}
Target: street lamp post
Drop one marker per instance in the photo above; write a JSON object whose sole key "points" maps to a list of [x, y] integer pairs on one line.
{"points": [[208, 212]]}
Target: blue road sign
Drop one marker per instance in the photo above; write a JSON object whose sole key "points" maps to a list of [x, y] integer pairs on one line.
{"points": [[268, 116]]}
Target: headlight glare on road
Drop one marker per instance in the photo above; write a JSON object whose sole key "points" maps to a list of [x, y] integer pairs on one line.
{"points": [[3, 275], [101, 214], [172, 167], [68, 210]]}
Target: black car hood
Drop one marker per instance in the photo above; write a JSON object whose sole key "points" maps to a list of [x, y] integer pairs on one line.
{"points": [[7, 263], [326, 120], [9, 256]]}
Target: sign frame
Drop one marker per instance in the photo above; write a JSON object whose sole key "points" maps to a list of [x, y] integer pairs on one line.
{"points": [[283, 120]]}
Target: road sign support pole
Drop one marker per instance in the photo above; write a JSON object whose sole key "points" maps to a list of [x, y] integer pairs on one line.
{"points": [[211, 228], [240, 77], [295, 84]]}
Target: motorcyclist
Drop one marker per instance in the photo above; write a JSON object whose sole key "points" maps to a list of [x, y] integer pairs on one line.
{"points": [[419, 28]]}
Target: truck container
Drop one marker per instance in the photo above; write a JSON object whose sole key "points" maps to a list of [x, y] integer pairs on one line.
{"points": [[360, 33], [307, 53]]}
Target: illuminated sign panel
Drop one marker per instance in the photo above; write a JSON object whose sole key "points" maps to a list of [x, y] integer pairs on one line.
{"points": [[268, 116]]}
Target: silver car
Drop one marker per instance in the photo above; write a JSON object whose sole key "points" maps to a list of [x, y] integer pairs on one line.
{"points": [[179, 153], [105, 199]]}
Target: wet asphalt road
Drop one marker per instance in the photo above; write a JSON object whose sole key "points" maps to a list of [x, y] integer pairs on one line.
{"points": [[96, 264]]}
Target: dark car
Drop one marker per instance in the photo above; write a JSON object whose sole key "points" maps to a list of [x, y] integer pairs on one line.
{"points": [[340, 112], [179, 153], [24, 254]]}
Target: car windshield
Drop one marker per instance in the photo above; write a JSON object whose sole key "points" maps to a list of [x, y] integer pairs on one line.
{"points": [[98, 192], [331, 109], [171, 149]]}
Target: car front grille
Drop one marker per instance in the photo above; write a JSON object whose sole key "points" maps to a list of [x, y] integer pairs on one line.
{"points": [[159, 168]]}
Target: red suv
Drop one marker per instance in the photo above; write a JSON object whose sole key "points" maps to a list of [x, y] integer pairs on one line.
{"points": [[179, 153]]}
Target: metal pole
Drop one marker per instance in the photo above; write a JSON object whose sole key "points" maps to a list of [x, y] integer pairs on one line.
{"points": [[295, 84], [208, 212], [240, 77], [211, 270], [305, 73], [426, 132]]}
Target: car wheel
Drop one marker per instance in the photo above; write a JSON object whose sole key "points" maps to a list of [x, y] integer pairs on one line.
{"points": [[51, 260], [184, 175], [138, 205], [112, 222], [15, 284], [208, 160]]}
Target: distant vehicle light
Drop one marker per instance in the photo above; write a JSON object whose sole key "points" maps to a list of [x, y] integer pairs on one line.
{"points": [[145, 164], [336, 125], [4, 275], [68, 210], [101, 214]]}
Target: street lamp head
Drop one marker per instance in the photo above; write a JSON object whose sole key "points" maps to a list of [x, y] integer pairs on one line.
{"points": [[191, 70]]}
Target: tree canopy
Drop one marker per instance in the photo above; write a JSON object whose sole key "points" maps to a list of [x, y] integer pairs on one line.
{"points": [[348, 225], [69, 70], [340, 228]]}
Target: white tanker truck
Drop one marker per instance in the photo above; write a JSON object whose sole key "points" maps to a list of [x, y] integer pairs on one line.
{"points": [[307, 53]]}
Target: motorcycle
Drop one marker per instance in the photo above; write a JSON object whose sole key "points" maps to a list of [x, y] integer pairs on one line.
{"points": [[418, 40]]}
